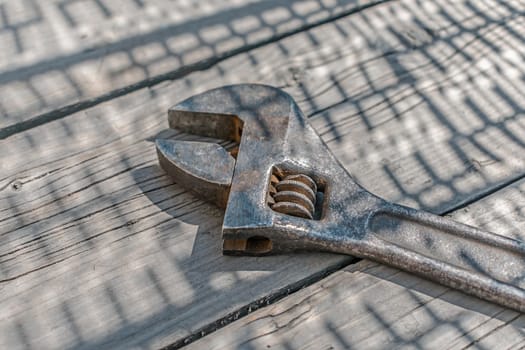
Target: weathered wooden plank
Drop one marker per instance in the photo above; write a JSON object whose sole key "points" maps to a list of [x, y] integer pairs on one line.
{"points": [[59, 53], [368, 85], [367, 305], [101, 250]]}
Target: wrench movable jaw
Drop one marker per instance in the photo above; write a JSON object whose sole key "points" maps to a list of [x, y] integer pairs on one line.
{"points": [[206, 169]]}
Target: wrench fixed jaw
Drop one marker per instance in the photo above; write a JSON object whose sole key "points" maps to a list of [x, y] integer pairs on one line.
{"points": [[223, 112]]}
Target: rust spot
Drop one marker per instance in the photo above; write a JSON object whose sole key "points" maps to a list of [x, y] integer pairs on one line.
{"points": [[293, 194], [236, 131], [256, 245]]}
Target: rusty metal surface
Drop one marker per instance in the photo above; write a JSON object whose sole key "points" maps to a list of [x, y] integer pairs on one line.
{"points": [[268, 212]]}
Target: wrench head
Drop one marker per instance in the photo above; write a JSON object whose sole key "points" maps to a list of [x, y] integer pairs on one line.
{"points": [[207, 169], [277, 149]]}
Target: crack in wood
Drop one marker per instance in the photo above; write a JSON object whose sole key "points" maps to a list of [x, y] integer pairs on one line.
{"points": [[258, 304]]}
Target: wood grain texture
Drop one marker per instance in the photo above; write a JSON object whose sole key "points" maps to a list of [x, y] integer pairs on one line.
{"points": [[371, 306], [380, 76], [66, 52], [100, 249]]}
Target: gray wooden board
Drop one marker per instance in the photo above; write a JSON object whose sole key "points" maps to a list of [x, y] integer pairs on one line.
{"points": [[61, 52], [371, 306], [100, 249]]}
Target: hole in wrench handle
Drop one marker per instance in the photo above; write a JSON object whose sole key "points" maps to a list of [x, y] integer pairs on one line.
{"points": [[255, 245], [481, 263]]}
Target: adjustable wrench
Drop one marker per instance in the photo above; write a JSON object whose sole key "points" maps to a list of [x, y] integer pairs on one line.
{"points": [[283, 190]]}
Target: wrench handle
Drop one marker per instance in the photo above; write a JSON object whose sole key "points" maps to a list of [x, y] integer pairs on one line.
{"points": [[476, 262]]}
